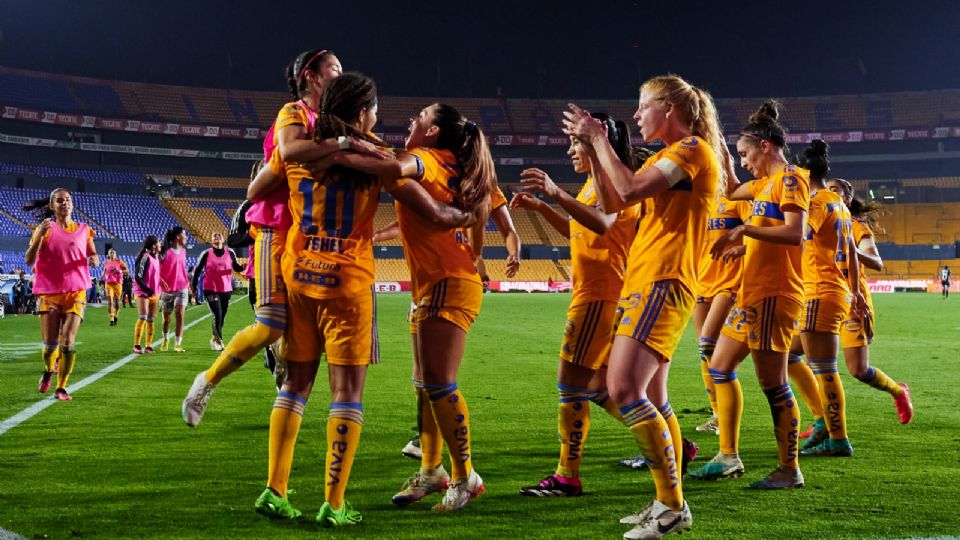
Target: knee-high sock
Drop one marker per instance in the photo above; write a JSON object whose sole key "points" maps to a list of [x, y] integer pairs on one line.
{"points": [[666, 411], [831, 393], [343, 437], [804, 380], [729, 409], [431, 440], [602, 398], [652, 434], [284, 427], [786, 418], [453, 418], [150, 325], [67, 359], [50, 355], [707, 347], [573, 424], [138, 331], [881, 381], [268, 328]]}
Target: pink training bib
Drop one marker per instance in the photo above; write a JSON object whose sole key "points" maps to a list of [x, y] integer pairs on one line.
{"points": [[61, 265], [173, 270], [113, 271], [218, 272], [151, 278]]}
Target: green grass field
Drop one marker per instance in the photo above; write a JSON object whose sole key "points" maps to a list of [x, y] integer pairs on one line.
{"points": [[119, 462]]}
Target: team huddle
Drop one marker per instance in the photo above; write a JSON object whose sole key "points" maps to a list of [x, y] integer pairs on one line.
{"points": [[771, 267]]}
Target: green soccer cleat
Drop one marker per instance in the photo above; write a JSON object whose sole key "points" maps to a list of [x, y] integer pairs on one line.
{"points": [[722, 466], [346, 515], [819, 434], [275, 507], [829, 448]]}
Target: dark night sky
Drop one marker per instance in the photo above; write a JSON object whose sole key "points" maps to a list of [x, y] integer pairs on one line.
{"points": [[557, 49]]}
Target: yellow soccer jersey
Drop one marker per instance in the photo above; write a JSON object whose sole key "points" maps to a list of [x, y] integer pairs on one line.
{"points": [[824, 251], [716, 275], [673, 224], [771, 269], [599, 261], [497, 199], [860, 231], [431, 253]]}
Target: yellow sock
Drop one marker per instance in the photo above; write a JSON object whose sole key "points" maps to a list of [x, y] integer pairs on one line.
{"points": [[67, 359], [242, 347], [453, 418], [150, 325], [284, 427], [652, 434], [573, 424], [879, 380], [602, 398], [786, 418], [138, 331], [50, 356], [431, 440], [831, 393], [729, 409], [343, 437], [806, 383], [707, 347], [666, 411]]}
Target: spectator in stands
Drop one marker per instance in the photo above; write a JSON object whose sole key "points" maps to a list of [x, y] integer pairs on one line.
{"points": [[61, 251], [217, 265], [174, 285]]}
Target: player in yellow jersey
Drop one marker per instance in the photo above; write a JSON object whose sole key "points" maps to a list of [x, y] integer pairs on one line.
{"points": [[677, 190], [719, 283], [328, 270], [856, 334], [770, 300], [599, 243]]}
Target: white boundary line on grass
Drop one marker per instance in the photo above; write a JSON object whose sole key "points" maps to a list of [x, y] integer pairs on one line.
{"points": [[39, 406]]}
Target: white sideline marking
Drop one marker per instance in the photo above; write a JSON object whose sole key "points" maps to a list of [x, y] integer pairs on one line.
{"points": [[10, 535], [39, 406]]}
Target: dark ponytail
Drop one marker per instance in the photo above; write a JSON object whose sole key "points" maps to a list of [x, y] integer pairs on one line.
{"points": [[763, 125], [619, 136], [816, 159], [305, 61], [170, 237], [867, 212], [640, 154], [148, 244], [42, 209], [468, 143]]}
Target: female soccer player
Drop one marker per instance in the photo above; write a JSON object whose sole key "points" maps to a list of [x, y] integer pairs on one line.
{"points": [[63, 251], [146, 290], [113, 269], [328, 269], [944, 275], [599, 243], [174, 285], [217, 264], [856, 334], [770, 300], [677, 189]]}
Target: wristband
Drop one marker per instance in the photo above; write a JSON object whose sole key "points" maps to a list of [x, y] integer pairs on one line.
{"points": [[343, 142]]}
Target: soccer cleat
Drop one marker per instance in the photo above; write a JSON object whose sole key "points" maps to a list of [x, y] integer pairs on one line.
{"points": [[219, 345], [690, 451], [279, 351], [179, 349], [328, 517], [819, 434], [551, 486], [412, 449], [164, 345], [829, 448], [62, 395], [808, 432], [420, 485], [137, 349], [195, 403], [713, 424], [660, 521], [275, 507], [460, 493], [638, 462], [45, 382], [148, 349], [269, 359], [722, 466], [639, 517], [904, 404], [780, 478], [213, 344]]}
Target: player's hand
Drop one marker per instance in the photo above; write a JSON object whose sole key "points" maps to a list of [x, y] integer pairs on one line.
{"points": [[538, 181], [481, 269], [579, 124], [43, 228], [732, 237], [513, 265], [734, 253], [525, 200], [368, 148], [860, 306]]}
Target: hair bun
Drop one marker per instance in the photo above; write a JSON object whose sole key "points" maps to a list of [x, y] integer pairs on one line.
{"points": [[770, 109], [819, 147]]}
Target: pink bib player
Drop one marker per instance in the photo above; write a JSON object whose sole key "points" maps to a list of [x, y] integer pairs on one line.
{"points": [[151, 278], [61, 265], [113, 271], [173, 270], [218, 272]]}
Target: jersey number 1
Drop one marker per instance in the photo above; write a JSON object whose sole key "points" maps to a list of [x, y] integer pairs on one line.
{"points": [[337, 201]]}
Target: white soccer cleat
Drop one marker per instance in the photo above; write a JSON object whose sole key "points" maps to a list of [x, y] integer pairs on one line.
{"points": [[660, 521], [460, 493], [713, 424], [412, 449], [422, 484], [195, 403], [638, 518]]}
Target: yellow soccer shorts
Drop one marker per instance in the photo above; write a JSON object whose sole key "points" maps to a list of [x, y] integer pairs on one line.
{"points": [[267, 250], [114, 290], [856, 331], [656, 315], [451, 299], [343, 328], [725, 293], [72, 302], [588, 335], [824, 315], [767, 324]]}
